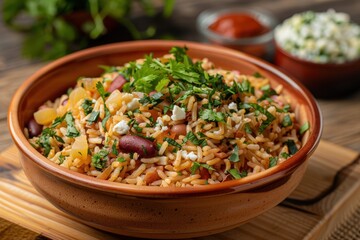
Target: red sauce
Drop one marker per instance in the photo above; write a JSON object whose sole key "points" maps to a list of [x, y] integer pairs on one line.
{"points": [[238, 25]]}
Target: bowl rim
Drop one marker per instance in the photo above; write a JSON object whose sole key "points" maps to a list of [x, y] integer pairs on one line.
{"points": [[306, 62], [207, 17], [231, 186]]}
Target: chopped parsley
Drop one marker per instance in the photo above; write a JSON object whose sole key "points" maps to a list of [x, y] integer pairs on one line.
{"points": [[197, 165], [304, 128], [267, 93], [71, 130], [103, 95], [247, 128], [236, 174], [57, 121], [93, 117], [269, 117], [87, 106], [286, 122], [154, 99], [234, 157], [172, 142], [190, 136], [44, 140], [121, 159], [114, 148], [100, 159], [273, 161], [61, 159], [284, 155], [292, 146], [212, 116], [258, 75]]}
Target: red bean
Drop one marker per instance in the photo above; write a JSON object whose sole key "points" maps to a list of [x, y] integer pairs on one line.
{"points": [[142, 146], [34, 128], [117, 83], [179, 129]]}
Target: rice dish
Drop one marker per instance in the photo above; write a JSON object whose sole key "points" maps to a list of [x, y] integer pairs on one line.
{"points": [[168, 121]]}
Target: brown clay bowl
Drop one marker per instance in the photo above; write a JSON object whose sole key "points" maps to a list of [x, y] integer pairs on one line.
{"points": [[154, 212], [323, 80]]}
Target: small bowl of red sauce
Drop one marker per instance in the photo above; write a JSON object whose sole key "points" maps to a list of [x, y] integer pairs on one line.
{"points": [[243, 29]]}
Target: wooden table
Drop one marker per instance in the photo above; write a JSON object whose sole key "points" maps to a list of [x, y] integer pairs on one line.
{"points": [[341, 116]]}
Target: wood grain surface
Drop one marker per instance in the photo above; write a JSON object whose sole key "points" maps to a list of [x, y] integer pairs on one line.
{"points": [[341, 116], [293, 219]]}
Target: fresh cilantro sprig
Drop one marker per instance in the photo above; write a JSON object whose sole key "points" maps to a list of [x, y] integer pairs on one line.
{"points": [[212, 116]]}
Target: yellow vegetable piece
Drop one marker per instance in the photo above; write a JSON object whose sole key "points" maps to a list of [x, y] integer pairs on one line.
{"points": [[76, 95], [114, 99], [79, 148], [45, 116], [89, 83]]}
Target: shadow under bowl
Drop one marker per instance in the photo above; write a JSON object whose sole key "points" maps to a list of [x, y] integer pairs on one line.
{"points": [[149, 211], [323, 80]]}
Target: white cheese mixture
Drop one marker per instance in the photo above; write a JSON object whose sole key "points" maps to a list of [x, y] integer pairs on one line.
{"points": [[178, 113], [326, 37], [121, 127]]}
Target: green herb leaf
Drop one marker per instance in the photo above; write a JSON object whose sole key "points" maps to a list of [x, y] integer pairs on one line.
{"points": [[172, 142], [236, 174], [61, 159], [267, 93], [59, 139], [248, 128], [258, 75], [154, 99], [71, 130], [284, 155], [87, 106], [194, 167], [114, 148], [101, 90], [121, 159], [93, 117], [292, 146], [107, 116], [234, 157], [99, 160], [207, 166], [57, 121], [269, 117], [304, 127], [273, 161], [161, 84], [212, 116], [192, 138], [44, 140], [286, 122]]}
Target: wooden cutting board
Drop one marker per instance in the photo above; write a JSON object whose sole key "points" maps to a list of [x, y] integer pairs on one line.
{"points": [[328, 195]]}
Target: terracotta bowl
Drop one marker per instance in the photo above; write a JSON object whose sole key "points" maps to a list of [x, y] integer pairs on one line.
{"points": [[154, 212], [323, 80]]}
